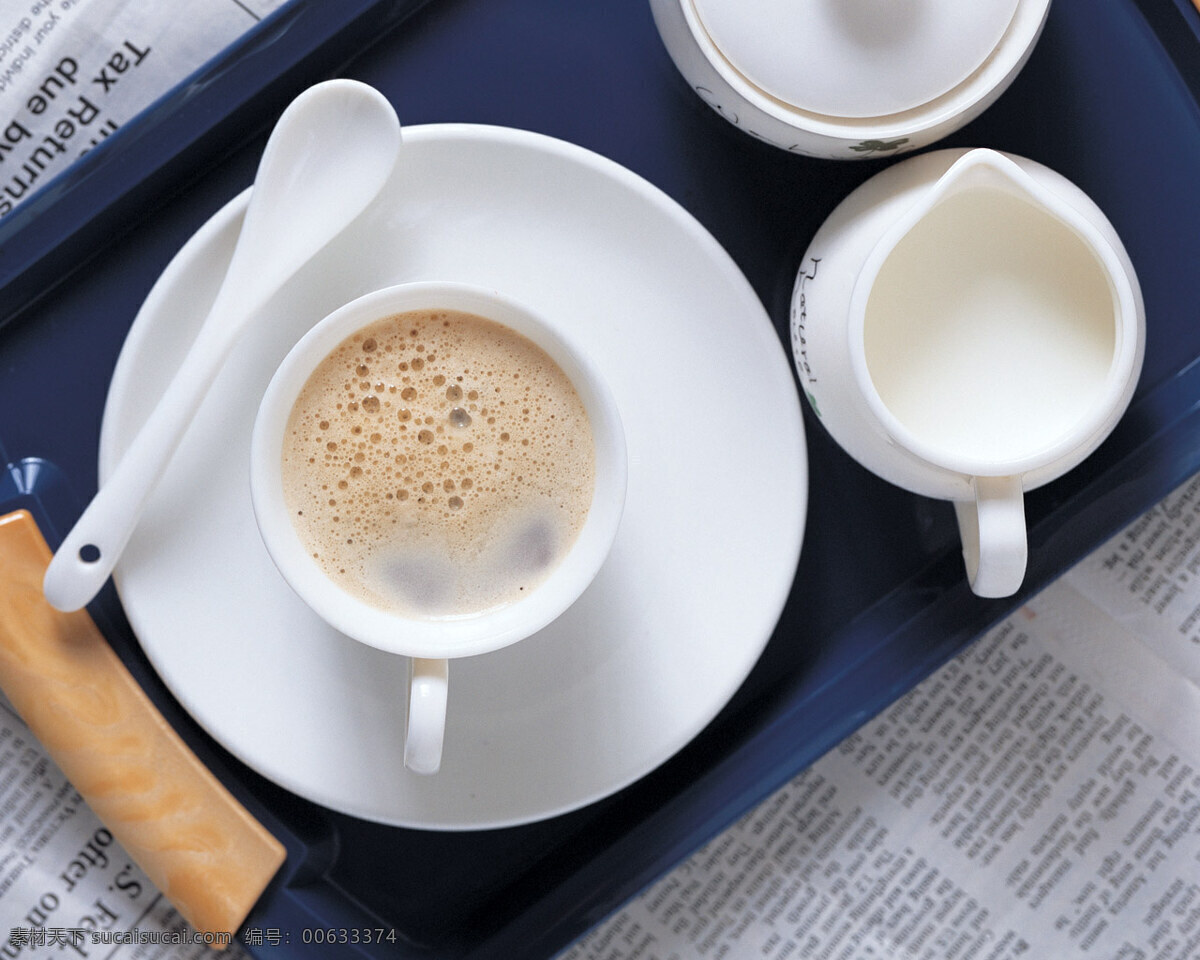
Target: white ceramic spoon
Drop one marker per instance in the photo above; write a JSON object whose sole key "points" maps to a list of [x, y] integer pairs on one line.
{"points": [[329, 155]]}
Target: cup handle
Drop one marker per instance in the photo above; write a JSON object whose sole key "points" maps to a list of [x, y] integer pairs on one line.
{"points": [[426, 721], [994, 541]]}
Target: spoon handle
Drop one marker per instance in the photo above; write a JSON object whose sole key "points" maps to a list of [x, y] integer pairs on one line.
{"points": [[87, 555]]}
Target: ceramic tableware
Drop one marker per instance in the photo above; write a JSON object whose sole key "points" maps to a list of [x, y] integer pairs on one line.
{"points": [[968, 325], [849, 79], [431, 640], [675, 619]]}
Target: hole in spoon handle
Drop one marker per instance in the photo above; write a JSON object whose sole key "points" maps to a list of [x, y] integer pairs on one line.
{"points": [[77, 572]]}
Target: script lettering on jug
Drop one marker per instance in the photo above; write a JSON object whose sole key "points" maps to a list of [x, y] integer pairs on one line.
{"points": [[800, 318]]}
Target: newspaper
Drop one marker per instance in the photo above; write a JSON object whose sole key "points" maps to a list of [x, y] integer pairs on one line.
{"points": [[1039, 796], [73, 71]]}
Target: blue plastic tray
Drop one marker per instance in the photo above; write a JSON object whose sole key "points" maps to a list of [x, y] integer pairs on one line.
{"points": [[1109, 99]]}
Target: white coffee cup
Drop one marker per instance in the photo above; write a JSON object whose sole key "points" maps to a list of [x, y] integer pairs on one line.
{"points": [[849, 79], [968, 326], [432, 641]]}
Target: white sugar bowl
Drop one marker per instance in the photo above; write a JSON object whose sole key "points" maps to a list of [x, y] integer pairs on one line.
{"points": [[849, 79]]}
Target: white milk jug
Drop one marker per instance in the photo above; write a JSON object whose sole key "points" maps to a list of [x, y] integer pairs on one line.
{"points": [[968, 326]]}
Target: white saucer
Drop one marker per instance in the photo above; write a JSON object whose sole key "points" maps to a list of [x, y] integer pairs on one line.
{"points": [[676, 619]]}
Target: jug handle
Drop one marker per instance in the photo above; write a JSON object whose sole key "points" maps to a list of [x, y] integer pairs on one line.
{"points": [[994, 541]]}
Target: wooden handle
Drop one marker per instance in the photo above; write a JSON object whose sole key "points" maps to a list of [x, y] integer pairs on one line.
{"points": [[192, 838]]}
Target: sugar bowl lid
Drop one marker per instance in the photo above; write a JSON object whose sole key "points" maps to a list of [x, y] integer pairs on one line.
{"points": [[855, 58]]}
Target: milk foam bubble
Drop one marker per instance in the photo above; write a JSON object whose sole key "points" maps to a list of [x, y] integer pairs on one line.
{"points": [[437, 463]]}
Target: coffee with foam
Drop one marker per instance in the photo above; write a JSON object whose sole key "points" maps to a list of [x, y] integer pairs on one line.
{"points": [[437, 463]]}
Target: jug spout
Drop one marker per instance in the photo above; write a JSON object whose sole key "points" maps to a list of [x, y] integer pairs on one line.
{"points": [[984, 169]]}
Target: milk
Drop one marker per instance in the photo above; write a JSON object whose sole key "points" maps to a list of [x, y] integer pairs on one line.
{"points": [[990, 329]]}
